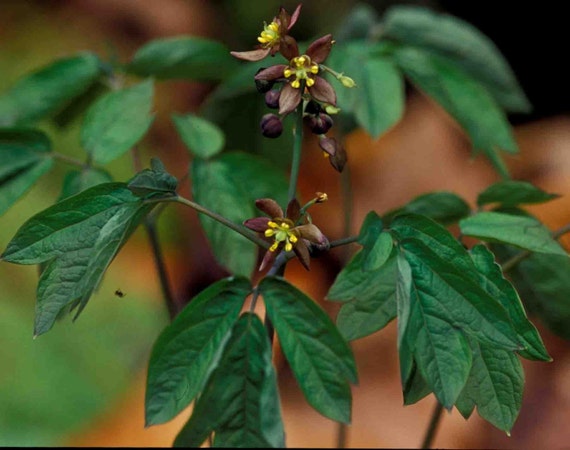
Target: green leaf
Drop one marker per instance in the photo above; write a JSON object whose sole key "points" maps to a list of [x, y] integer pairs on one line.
{"points": [[377, 101], [370, 229], [464, 99], [240, 401], [512, 193], [495, 385], [117, 121], [500, 289], [369, 297], [229, 185], [77, 181], [543, 285], [185, 350], [357, 24], [154, 181], [381, 99], [379, 253], [443, 207], [464, 44], [48, 90], [523, 232], [202, 137], [24, 158], [439, 347], [78, 237], [416, 388], [319, 357], [447, 283], [79, 105], [183, 57]]}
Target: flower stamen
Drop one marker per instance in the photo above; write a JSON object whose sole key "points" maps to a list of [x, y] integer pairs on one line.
{"points": [[280, 230], [303, 69], [270, 35]]}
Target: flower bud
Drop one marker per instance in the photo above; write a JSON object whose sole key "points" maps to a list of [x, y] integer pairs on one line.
{"points": [[263, 86], [330, 109], [272, 99], [347, 82], [321, 197], [271, 126], [335, 151], [319, 124], [313, 107]]}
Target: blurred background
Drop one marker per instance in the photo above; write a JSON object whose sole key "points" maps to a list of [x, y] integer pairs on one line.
{"points": [[82, 384]]}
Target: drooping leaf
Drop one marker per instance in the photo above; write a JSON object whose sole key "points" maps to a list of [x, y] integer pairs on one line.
{"points": [[320, 358], [154, 181], [48, 90], [202, 137], [78, 238], [229, 185], [512, 193], [370, 230], [357, 24], [524, 232], [543, 285], [185, 350], [464, 44], [377, 101], [77, 181], [446, 280], [240, 401], [117, 121], [183, 57], [79, 105], [464, 99], [443, 207], [381, 101], [24, 158], [495, 385], [416, 388], [369, 297], [499, 288]]}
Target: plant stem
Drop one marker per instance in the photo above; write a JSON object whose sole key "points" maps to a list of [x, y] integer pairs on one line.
{"points": [[511, 263], [297, 147], [346, 190], [69, 160], [150, 227], [343, 241], [432, 427], [341, 435], [237, 228]]}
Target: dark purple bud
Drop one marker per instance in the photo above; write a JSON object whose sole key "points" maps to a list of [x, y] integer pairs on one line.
{"points": [[319, 124], [271, 126], [272, 99], [263, 86], [313, 107]]}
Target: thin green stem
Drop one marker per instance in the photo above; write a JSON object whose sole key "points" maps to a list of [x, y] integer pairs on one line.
{"points": [[516, 259], [221, 219], [297, 149], [69, 160], [432, 427], [150, 227]]}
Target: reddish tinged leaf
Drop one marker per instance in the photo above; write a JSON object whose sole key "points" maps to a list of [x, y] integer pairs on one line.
{"points": [[323, 91], [319, 50], [252, 55], [258, 224], [269, 207], [293, 210], [302, 252], [271, 73], [288, 47], [289, 99]]}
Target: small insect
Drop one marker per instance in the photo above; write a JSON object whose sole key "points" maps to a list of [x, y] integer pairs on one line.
{"points": [[119, 293]]}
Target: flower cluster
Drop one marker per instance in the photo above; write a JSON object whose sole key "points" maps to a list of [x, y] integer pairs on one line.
{"points": [[299, 81], [289, 232]]}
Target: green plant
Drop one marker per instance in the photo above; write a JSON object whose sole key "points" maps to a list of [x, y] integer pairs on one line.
{"points": [[461, 323]]}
